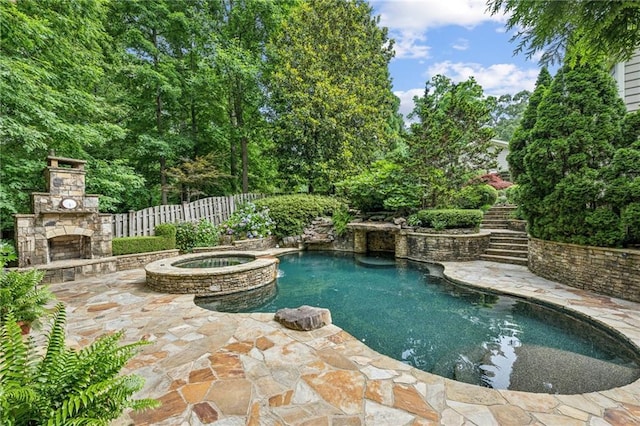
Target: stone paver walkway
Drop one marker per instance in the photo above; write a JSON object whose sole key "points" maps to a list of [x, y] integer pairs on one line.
{"points": [[236, 369]]}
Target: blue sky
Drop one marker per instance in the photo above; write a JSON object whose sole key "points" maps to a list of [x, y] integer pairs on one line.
{"points": [[456, 38]]}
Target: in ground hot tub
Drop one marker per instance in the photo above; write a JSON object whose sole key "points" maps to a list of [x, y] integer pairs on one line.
{"points": [[210, 274]]}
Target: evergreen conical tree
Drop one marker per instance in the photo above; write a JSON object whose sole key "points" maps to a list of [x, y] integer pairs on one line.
{"points": [[518, 143], [571, 143]]}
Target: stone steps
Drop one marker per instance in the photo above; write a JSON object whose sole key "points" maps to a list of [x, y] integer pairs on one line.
{"points": [[505, 259], [510, 246], [507, 252], [510, 240], [505, 246], [497, 217], [494, 224]]}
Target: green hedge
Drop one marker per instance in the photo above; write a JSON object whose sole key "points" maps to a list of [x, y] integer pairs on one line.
{"points": [[447, 219], [476, 197], [164, 239], [292, 213], [129, 245]]}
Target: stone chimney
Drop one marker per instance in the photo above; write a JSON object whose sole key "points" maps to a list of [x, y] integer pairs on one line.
{"points": [[65, 223]]}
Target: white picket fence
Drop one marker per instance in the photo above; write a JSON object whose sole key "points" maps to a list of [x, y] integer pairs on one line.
{"points": [[142, 222]]}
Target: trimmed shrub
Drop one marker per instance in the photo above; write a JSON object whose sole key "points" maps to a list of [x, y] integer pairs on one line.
{"points": [[476, 196], [201, 234], [130, 245], [447, 219], [164, 239], [167, 230], [292, 213]]}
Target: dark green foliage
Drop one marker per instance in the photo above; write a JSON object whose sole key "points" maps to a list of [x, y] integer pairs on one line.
{"points": [[167, 230], [575, 185], [22, 295], [451, 139], [518, 143], [476, 196], [630, 219], [145, 244], [7, 253], [55, 385], [201, 234], [582, 32], [447, 219], [292, 213], [330, 93], [385, 186], [164, 239]]}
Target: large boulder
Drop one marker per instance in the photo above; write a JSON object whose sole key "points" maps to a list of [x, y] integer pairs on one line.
{"points": [[304, 318]]}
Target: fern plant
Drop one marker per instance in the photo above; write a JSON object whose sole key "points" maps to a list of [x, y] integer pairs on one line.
{"points": [[56, 385], [22, 294]]}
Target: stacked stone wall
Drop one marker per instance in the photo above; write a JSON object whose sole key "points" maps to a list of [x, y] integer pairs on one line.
{"points": [[138, 260], [78, 269], [614, 272], [445, 248], [255, 244], [212, 281], [381, 241]]}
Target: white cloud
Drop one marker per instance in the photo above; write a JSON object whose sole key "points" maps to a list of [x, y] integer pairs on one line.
{"points": [[461, 44], [406, 101], [409, 20], [420, 15], [496, 79], [410, 45]]}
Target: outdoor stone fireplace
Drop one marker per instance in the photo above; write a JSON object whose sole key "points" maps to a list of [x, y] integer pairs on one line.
{"points": [[65, 223]]}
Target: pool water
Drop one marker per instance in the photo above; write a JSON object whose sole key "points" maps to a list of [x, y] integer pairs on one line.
{"points": [[404, 312], [214, 262]]}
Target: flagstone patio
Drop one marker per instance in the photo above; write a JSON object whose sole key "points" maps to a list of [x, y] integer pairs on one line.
{"points": [[246, 369]]}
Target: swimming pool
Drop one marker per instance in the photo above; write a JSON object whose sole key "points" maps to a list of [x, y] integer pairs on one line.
{"points": [[402, 311]]}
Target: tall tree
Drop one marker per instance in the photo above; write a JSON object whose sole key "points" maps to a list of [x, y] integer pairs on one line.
{"points": [[563, 190], [330, 95], [586, 31], [518, 143], [244, 30], [51, 74], [150, 37], [451, 141], [507, 113]]}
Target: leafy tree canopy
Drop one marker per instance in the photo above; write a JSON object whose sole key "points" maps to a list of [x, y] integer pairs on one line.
{"points": [[452, 140], [520, 137], [507, 113], [581, 31], [567, 191], [330, 93]]}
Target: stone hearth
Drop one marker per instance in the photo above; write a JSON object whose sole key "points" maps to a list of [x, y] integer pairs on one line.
{"points": [[65, 223]]}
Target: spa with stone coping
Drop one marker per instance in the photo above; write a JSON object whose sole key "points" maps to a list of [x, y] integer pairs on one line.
{"points": [[166, 276]]}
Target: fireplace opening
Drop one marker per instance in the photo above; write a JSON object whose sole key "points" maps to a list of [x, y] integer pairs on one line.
{"points": [[67, 247]]}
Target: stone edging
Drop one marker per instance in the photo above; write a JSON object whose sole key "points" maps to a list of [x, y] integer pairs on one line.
{"points": [[162, 276]]}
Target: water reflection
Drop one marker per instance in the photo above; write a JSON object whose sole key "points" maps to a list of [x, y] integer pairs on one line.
{"points": [[423, 320], [238, 302]]}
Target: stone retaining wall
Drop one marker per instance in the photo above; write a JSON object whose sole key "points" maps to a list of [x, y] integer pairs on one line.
{"points": [[442, 247], [614, 272], [77, 269], [163, 277], [138, 260], [255, 244], [381, 241]]}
